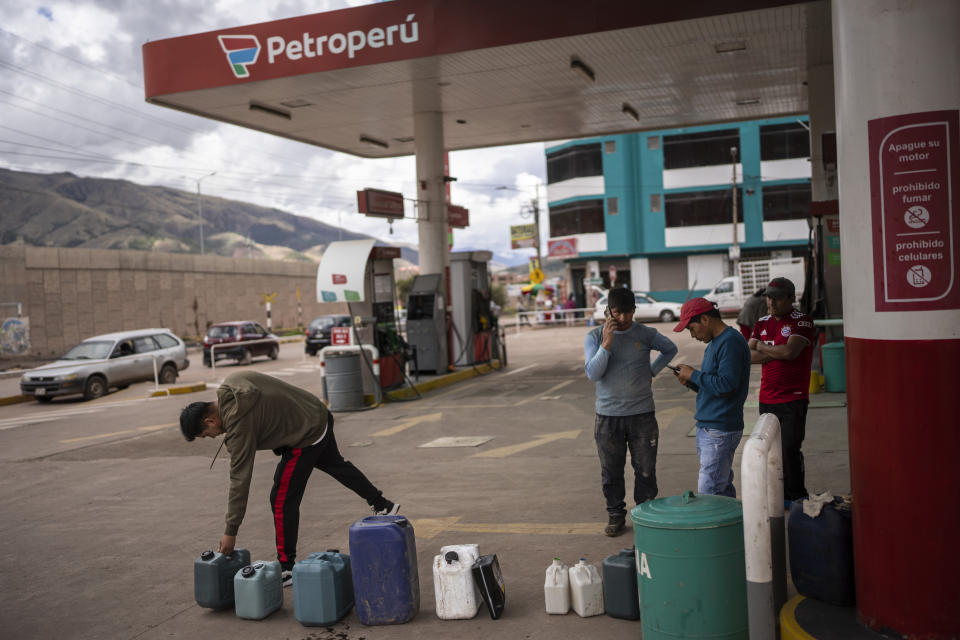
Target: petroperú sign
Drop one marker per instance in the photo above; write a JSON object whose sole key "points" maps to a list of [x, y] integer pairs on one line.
{"points": [[916, 228]]}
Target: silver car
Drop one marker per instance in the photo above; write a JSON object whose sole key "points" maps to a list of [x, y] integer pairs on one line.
{"points": [[112, 360]]}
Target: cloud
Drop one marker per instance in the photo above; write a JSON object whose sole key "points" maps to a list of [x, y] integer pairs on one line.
{"points": [[71, 99]]}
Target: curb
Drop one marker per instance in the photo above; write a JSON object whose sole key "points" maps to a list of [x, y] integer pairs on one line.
{"points": [[174, 391], [14, 400], [442, 381]]}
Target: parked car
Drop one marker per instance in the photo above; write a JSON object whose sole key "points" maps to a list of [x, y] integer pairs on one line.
{"points": [[648, 308], [260, 342], [112, 360], [318, 333]]}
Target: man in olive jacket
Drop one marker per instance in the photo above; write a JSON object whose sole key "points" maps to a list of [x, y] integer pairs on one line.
{"points": [[255, 412]]}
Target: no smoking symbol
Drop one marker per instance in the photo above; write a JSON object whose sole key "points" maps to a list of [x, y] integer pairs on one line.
{"points": [[916, 217]]}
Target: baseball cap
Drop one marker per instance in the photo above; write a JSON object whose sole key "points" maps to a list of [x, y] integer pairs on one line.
{"points": [[691, 309], [780, 288]]}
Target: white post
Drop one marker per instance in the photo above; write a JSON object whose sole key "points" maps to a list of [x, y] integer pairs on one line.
{"points": [[761, 472]]}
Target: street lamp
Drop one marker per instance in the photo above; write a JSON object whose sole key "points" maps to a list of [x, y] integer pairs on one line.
{"points": [[200, 206]]}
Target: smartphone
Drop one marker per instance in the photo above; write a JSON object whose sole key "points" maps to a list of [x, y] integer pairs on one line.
{"points": [[606, 312], [673, 368]]}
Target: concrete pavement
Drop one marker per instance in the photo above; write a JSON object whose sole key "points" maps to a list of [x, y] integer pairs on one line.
{"points": [[101, 530]]}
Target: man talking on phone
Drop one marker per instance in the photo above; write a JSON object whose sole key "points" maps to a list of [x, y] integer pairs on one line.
{"points": [[617, 359]]}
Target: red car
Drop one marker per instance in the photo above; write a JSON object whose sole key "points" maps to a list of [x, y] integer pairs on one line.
{"points": [[259, 342]]}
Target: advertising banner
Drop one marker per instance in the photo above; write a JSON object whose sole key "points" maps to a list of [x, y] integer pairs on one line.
{"points": [[566, 248], [523, 236]]}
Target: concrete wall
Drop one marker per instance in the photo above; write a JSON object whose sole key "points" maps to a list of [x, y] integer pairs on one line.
{"points": [[72, 294]]}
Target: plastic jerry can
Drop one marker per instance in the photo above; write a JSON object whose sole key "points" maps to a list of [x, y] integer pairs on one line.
{"points": [[383, 558], [620, 598], [821, 553], [213, 577], [258, 590], [489, 579], [456, 594], [322, 588], [586, 589], [556, 588]]}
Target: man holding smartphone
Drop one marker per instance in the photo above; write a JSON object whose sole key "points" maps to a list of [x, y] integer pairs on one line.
{"points": [[617, 359], [721, 385]]}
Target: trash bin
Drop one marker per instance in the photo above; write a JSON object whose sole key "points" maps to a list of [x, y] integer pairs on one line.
{"points": [[690, 567], [834, 367], [343, 380]]}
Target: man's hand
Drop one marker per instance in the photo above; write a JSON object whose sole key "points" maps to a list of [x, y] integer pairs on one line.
{"points": [[606, 340], [683, 376], [227, 543]]}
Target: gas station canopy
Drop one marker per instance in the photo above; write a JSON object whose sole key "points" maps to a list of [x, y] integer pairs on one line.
{"points": [[500, 72]]}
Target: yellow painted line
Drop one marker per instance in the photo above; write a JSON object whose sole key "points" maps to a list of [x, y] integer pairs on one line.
{"points": [[503, 452], [427, 528], [555, 387], [125, 432], [406, 424], [790, 629]]}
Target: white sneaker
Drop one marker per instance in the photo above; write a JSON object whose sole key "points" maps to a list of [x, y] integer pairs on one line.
{"points": [[287, 578], [391, 510]]}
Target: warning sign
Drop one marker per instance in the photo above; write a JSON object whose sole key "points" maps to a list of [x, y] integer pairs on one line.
{"points": [[916, 229]]}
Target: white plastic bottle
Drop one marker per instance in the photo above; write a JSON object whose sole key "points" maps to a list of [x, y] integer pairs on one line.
{"points": [[453, 585], [556, 588], [586, 589]]}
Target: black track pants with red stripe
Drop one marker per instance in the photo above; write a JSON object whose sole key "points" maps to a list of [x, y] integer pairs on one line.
{"points": [[290, 479]]}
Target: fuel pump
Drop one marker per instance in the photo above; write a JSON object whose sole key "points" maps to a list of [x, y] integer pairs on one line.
{"points": [[475, 326]]}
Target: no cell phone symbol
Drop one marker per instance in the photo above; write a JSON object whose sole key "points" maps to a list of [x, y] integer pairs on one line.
{"points": [[918, 276], [916, 217]]}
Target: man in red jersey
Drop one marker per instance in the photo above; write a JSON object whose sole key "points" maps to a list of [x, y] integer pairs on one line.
{"points": [[783, 343]]}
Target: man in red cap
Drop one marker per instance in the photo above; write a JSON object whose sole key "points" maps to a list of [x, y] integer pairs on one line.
{"points": [[721, 386], [783, 342]]}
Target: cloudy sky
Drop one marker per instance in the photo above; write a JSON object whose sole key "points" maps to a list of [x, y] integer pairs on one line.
{"points": [[71, 99]]}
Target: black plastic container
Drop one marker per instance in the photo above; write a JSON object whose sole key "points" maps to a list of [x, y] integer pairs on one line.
{"points": [[620, 599], [487, 576], [821, 554]]}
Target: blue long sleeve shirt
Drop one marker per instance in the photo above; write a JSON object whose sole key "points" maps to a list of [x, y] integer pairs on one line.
{"points": [[624, 373], [722, 382]]}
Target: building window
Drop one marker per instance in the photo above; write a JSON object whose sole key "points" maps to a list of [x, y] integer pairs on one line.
{"points": [[786, 201], [610, 146], [655, 206], [574, 162], [699, 149], [613, 206], [783, 141], [694, 208], [584, 216]]}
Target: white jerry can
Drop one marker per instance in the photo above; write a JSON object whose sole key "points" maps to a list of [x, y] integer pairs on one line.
{"points": [[586, 589], [556, 588], [453, 585]]}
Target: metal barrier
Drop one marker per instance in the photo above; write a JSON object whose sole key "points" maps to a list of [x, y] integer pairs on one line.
{"points": [[234, 345], [374, 357], [557, 316], [761, 471]]}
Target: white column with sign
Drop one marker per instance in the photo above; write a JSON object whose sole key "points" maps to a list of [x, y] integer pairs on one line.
{"points": [[896, 67]]}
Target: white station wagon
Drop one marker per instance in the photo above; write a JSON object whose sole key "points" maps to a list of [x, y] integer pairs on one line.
{"points": [[112, 360]]}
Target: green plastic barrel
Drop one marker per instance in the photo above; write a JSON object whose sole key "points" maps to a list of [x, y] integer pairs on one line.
{"points": [[690, 567], [834, 367]]}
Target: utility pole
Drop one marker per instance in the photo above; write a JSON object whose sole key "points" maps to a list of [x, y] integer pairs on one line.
{"points": [[536, 223], [735, 248], [200, 206]]}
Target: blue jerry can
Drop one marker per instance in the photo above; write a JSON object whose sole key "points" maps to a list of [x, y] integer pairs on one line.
{"points": [[383, 555], [213, 577]]}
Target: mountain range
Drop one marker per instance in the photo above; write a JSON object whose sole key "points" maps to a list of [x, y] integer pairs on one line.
{"points": [[66, 210]]}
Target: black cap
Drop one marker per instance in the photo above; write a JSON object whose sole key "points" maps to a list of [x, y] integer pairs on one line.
{"points": [[207, 555], [451, 557], [780, 288]]}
